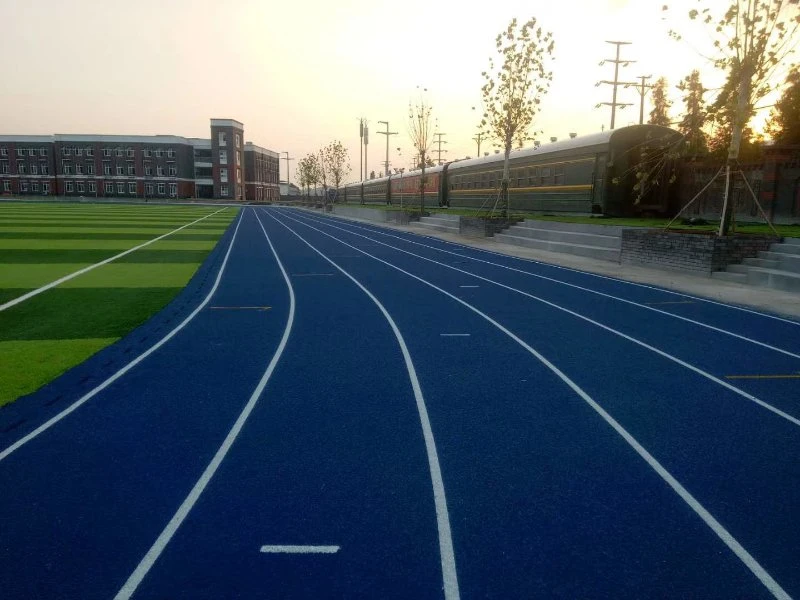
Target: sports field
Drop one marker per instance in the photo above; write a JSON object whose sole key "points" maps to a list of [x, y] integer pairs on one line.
{"points": [[45, 329]]}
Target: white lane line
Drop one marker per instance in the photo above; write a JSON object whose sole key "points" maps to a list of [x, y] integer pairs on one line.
{"points": [[454, 334], [727, 538], [88, 396], [584, 289], [53, 284], [299, 549], [661, 353], [563, 268], [186, 506], [446, 552]]}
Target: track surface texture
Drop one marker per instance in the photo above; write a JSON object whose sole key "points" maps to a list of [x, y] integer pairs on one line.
{"points": [[338, 410]]}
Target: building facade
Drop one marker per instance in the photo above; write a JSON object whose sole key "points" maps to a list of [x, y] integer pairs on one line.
{"points": [[157, 167]]}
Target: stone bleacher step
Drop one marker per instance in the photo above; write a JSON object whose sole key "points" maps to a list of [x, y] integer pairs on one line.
{"points": [[728, 276], [577, 237], [600, 253]]}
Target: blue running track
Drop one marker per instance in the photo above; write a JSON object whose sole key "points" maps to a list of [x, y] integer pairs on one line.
{"points": [[339, 410]]}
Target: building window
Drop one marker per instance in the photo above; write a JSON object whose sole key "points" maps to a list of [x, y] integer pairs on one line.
{"points": [[35, 186], [238, 159], [159, 153], [148, 169], [120, 152], [120, 188], [22, 168], [130, 152], [67, 168], [4, 152], [173, 170], [161, 189], [132, 188], [4, 167], [90, 152], [238, 140], [79, 169], [173, 190], [131, 169], [42, 151], [34, 170], [69, 187], [106, 152], [120, 170], [23, 186], [65, 151], [148, 189], [81, 187], [46, 187], [223, 157], [92, 187], [171, 153], [238, 176], [90, 168], [109, 188], [223, 190], [78, 151], [148, 153], [106, 168], [223, 175], [44, 169], [6, 186], [160, 170], [223, 138]]}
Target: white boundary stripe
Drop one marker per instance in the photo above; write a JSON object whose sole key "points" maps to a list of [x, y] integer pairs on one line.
{"points": [[585, 289], [578, 271], [88, 396], [666, 355], [726, 537], [299, 549], [446, 552], [186, 506], [53, 284]]}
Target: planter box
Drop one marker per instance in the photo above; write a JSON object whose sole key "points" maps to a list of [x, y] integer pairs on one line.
{"points": [[698, 252]]}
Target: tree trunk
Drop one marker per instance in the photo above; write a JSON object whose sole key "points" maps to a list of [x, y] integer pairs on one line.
{"points": [[739, 121], [422, 186], [504, 182]]}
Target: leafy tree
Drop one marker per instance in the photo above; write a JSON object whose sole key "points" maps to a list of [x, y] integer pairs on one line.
{"points": [[784, 124], [661, 104], [336, 162], [309, 167], [691, 126], [419, 128], [751, 39], [513, 88]]}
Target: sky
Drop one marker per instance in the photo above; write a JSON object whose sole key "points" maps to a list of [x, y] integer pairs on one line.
{"points": [[300, 73]]}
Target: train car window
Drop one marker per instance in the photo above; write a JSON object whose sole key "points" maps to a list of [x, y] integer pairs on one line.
{"points": [[547, 176], [520, 177], [558, 175], [533, 176]]}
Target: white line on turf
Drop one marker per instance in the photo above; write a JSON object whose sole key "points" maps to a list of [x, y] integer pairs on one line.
{"points": [[89, 395], [571, 270], [575, 286], [61, 280], [299, 549], [661, 353], [747, 559], [446, 552], [186, 506]]}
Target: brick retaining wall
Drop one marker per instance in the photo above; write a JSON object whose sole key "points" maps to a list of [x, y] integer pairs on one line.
{"points": [[701, 253]]}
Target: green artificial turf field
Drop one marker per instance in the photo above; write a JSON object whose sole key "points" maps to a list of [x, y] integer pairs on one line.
{"points": [[47, 334]]}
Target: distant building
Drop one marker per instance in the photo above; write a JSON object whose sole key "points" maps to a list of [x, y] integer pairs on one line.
{"points": [[223, 167], [291, 190]]}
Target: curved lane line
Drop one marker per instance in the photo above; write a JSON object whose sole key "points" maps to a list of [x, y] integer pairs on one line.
{"points": [[89, 395], [578, 287], [53, 284], [661, 353], [446, 552], [749, 561], [144, 566]]}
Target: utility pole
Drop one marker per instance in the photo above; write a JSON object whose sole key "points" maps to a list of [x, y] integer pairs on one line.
{"points": [[366, 146], [478, 138], [287, 159], [361, 123], [641, 87], [439, 142], [387, 133], [614, 104]]}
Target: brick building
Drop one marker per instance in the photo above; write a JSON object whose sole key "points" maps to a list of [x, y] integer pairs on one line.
{"points": [[159, 166]]}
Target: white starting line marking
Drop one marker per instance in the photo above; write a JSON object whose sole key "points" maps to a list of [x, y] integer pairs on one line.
{"points": [[454, 334], [469, 286], [299, 549]]}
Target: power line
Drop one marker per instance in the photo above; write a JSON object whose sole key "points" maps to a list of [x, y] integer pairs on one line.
{"points": [[439, 142], [616, 83], [388, 134]]}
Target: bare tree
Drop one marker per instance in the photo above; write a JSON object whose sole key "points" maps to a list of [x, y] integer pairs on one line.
{"points": [[514, 87], [751, 40], [336, 161], [420, 131]]}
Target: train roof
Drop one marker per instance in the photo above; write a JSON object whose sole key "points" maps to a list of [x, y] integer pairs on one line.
{"points": [[436, 169], [583, 141]]}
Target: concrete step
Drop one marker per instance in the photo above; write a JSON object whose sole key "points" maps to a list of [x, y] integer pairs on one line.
{"points": [[437, 227], [786, 262], [779, 280], [761, 262], [728, 276], [444, 217], [738, 269], [793, 241], [793, 249], [610, 254], [574, 237], [440, 221], [574, 227]]}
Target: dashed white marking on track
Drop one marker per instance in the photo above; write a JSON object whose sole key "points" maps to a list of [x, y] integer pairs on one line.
{"points": [[53, 284], [299, 549], [469, 286], [454, 334]]}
